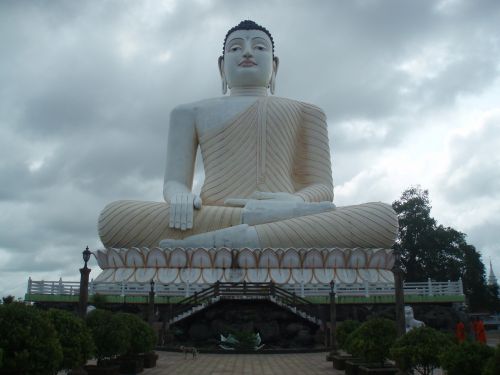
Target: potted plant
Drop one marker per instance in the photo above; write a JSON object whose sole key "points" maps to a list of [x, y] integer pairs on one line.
{"points": [[111, 338], [75, 338], [28, 340], [419, 349], [467, 358], [343, 331], [140, 345], [372, 342]]}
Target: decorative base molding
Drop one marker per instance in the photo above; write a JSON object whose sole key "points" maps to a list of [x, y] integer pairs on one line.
{"points": [[245, 258], [252, 275], [282, 266]]}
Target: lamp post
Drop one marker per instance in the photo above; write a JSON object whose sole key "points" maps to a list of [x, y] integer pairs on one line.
{"points": [[333, 320], [151, 306], [399, 296], [84, 284]]}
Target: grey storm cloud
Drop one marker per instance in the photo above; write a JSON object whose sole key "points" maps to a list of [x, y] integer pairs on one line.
{"points": [[474, 168], [86, 89]]}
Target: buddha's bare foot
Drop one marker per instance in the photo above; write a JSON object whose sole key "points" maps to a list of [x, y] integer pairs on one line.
{"points": [[234, 237], [261, 211]]}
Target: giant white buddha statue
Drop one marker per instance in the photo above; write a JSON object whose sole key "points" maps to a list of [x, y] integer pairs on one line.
{"points": [[268, 177]]}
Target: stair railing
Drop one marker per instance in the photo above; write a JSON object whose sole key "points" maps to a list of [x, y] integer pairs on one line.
{"points": [[197, 298], [244, 290], [293, 300]]}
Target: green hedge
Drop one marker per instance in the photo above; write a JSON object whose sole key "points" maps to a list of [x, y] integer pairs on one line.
{"points": [[142, 336], [373, 340], [110, 334], [75, 338], [344, 329], [492, 367], [419, 350], [29, 340], [467, 358]]}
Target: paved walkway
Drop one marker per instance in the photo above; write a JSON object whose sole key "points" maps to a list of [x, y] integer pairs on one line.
{"points": [[247, 364]]}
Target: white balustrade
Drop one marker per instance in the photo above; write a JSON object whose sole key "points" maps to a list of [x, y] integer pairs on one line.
{"points": [[427, 288]]}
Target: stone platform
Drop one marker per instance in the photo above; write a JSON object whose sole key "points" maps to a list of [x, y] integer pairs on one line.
{"points": [[282, 266]]}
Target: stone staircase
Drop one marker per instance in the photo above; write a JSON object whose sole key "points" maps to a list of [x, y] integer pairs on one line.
{"points": [[245, 291]]}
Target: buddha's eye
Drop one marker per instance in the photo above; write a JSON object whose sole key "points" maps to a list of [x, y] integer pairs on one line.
{"points": [[260, 47], [234, 48]]}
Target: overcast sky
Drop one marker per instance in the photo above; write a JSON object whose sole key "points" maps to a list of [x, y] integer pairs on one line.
{"points": [[411, 90]]}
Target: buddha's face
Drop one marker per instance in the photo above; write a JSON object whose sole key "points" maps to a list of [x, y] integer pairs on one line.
{"points": [[248, 59]]}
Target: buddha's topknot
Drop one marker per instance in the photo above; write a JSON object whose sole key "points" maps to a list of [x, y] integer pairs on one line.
{"points": [[247, 25]]}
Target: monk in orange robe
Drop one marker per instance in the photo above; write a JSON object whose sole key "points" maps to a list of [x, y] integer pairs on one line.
{"points": [[460, 332]]}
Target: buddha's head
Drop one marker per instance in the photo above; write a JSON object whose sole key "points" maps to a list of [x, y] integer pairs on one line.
{"points": [[248, 58]]}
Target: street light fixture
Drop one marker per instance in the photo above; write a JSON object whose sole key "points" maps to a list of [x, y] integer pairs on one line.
{"points": [[86, 255], [333, 321], [151, 306], [399, 297], [84, 284]]}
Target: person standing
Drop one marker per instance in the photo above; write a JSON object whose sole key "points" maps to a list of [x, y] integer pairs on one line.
{"points": [[481, 332], [460, 332]]}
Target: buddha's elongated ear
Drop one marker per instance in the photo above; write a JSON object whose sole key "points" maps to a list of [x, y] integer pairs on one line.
{"points": [[222, 75], [272, 82]]}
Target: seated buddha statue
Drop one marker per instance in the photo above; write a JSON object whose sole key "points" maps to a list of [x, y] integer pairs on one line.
{"points": [[268, 177]]}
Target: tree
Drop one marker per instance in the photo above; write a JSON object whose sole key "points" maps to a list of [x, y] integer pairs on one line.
{"points": [[29, 341], [373, 340], [468, 358], [344, 330], [142, 336], [74, 336], [110, 334], [418, 350], [8, 299], [429, 250], [492, 367]]}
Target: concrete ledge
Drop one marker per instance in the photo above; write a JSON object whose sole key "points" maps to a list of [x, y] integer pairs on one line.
{"points": [[263, 351]]}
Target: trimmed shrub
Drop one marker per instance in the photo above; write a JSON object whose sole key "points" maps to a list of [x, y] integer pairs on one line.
{"points": [[467, 358], [373, 340], [142, 335], [110, 334], [493, 365], [418, 350], [29, 340], [344, 330], [8, 299], [75, 338]]}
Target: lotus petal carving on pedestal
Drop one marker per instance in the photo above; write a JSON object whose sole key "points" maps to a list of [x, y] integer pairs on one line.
{"points": [[167, 275], [212, 275], [157, 258], [302, 275], [200, 265], [258, 275]]}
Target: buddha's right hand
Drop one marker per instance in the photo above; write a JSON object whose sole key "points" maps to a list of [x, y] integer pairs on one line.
{"points": [[181, 210]]}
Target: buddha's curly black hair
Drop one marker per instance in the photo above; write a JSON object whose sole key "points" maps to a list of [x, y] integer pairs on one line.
{"points": [[247, 25]]}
